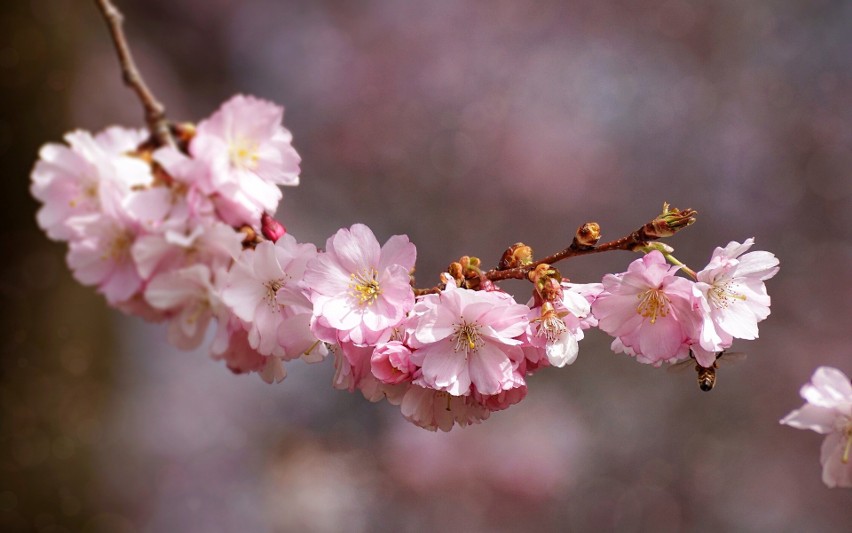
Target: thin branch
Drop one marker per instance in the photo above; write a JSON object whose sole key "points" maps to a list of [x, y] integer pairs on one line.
{"points": [[664, 225], [155, 112]]}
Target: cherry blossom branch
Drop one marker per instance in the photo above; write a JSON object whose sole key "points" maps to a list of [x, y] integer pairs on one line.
{"points": [[513, 266], [665, 225], [155, 112]]}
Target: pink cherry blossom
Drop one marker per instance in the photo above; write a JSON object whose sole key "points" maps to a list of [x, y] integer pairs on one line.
{"points": [[264, 289], [231, 344], [352, 366], [731, 296], [358, 290], [189, 294], [249, 153], [648, 309], [100, 254], [433, 410], [554, 334], [192, 180], [464, 337], [828, 410], [174, 246], [504, 399], [77, 179]]}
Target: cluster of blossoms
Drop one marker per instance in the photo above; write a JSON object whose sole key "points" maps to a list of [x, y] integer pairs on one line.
{"points": [[454, 356], [157, 230], [657, 316], [184, 234]]}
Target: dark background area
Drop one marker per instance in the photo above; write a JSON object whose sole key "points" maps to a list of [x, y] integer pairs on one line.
{"points": [[467, 126]]}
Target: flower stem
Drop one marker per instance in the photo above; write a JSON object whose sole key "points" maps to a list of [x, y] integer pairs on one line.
{"points": [[155, 112], [673, 260]]}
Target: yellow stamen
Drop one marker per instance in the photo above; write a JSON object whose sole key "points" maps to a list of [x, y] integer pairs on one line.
{"points": [[309, 350], [848, 447], [365, 287], [653, 304], [551, 325], [119, 247], [272, 288], [723, 294], [244, 153], [197, 311], [467, 337]]}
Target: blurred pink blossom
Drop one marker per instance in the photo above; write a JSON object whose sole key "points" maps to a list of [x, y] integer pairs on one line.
{"points": [[249, 154], [828, 410]]}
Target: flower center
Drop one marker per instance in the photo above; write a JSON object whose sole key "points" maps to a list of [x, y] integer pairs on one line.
{"points": [[467, 337], [848, 447], [272, 288], [653, 304], [119, 247], [721, 295], [364, 286], [552, 327], [88, 194], [197, 310], [244, 153]]}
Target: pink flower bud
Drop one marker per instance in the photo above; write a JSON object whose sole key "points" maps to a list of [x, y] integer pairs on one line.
{"points": [[271, 228], [391, 363]]}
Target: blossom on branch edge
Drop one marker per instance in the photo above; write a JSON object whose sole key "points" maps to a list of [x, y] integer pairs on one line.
{"points": [[828, 410]]}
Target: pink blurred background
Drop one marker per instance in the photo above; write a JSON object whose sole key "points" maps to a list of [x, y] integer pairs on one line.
{"points": [[468, 126]]}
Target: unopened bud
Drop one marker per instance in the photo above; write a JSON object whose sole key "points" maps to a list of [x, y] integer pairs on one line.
{"points": [[471, 262], [540, 270], [669, 222], [271, 228], [587, 236], [456, 270], [519, 254]]}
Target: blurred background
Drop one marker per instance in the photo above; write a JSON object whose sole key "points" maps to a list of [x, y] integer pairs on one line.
{"points": [[468, 126]]}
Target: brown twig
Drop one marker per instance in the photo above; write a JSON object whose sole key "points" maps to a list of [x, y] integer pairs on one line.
{"points": [[155, 113], [628, 243], [664, 225]]}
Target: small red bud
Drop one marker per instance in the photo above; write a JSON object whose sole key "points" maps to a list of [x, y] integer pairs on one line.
{"points": [[271, 228]]}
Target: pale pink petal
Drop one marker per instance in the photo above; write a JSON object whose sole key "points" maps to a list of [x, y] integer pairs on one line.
{"points": [[490, 369], [812, 417], [398, 250], [829, 387]]}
